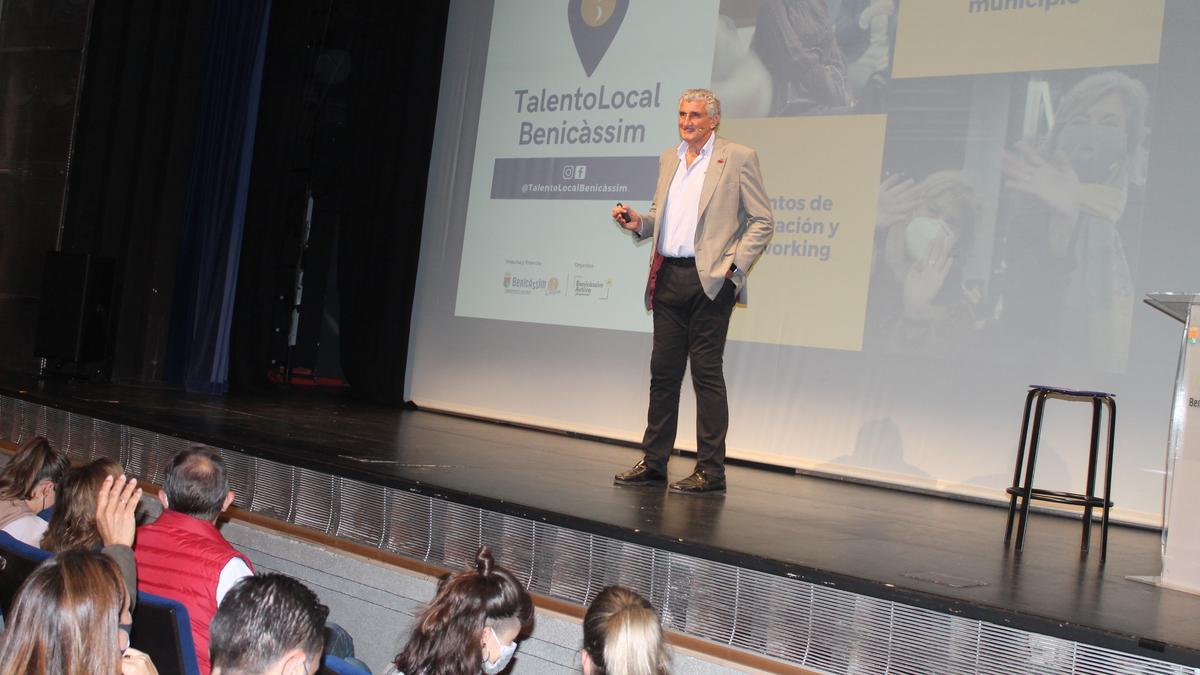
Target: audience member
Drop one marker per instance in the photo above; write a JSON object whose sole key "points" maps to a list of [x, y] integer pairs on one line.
{"points": [[269, 624], [471, 625], [28, 485], [181, 555], [73, 524], [71, 617], [622, 635]]}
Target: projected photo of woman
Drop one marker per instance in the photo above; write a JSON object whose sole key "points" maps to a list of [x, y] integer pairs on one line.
{"points": [[919, 302], [1075, 204]]}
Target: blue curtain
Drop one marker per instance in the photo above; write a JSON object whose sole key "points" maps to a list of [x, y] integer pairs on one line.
{"points": [[215, 206]]}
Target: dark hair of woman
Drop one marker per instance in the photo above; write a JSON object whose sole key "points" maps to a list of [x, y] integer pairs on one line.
{"points": [[622, 635], [73, 525], [34, 462], [64, 618], [447, 635]]}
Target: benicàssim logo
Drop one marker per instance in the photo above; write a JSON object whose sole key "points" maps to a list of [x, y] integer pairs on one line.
{"points": [[594, 24]]}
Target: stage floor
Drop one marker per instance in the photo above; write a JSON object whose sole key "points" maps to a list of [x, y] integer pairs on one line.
{"points": [[931, 552]]}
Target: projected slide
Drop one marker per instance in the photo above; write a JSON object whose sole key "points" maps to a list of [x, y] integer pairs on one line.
{"points": [[969, 197], [572, 121], [1017, 204]]}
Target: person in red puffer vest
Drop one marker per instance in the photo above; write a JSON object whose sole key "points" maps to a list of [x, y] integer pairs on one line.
{"points": [[182, 555]]}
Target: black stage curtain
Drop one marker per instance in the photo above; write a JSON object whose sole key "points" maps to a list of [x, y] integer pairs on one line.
{"points": [[289, 107], [215, 206], [358, 137], [41, 53], [133, 148]]}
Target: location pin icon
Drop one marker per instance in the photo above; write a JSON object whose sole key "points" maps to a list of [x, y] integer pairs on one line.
{"points": [[594, 24]]}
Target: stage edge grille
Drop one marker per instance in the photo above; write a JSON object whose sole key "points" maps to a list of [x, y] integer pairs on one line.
{"points": [[817, 627]]}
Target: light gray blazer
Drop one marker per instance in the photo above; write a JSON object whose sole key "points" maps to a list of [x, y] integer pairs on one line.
{"points": [[735, 222]]}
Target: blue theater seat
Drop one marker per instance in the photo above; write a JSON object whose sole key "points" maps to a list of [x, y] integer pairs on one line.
{"points": [[162, 630], [17, 562]]}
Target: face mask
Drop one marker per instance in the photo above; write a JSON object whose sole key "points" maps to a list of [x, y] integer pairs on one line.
{"points": [[920, 235], [126, 630], [501, 662], [1094, 150]]}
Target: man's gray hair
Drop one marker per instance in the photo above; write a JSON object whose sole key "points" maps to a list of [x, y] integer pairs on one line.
{"points": [[712, 104]]}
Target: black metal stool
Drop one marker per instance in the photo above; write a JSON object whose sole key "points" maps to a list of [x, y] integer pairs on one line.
{"points": [[1025, 492]]}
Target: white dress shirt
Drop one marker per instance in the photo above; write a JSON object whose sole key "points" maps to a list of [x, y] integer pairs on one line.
{"points": [[677, 235], [234, 571]]}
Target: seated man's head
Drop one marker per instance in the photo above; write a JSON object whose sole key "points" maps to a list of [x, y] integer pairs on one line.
{"points": [[196, 484], [269, 624]]}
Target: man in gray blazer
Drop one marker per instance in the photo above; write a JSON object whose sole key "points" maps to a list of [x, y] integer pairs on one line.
{"points": [[711, 220]]}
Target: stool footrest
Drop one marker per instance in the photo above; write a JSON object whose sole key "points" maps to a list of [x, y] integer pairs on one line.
{"points": [[1073, 498]]}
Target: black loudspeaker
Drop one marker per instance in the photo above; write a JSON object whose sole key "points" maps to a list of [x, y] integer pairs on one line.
{"points": [[73, 317]]}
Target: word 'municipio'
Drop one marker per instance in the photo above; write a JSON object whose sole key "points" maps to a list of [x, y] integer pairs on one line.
{"points": [[974, 6]]}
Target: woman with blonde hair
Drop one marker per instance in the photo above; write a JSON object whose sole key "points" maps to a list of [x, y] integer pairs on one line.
{"points": [[1075, 226], [28, 485], [622, 636], [69, 617]]}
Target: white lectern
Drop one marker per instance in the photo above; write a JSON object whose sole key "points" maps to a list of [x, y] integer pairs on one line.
{"points": [[1181, 526]]}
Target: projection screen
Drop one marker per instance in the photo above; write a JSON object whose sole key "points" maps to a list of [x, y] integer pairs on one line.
{"points": [[970, 196]]}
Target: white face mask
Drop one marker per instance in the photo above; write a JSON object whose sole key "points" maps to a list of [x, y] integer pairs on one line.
{"points": [[920, 234], [501, 662]]}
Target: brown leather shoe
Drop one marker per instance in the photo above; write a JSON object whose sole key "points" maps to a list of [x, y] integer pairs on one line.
{"points": [[698, 483], [640, 474]]}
